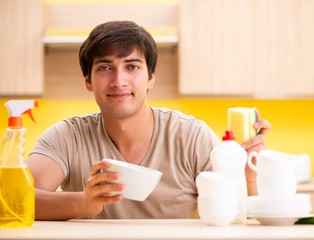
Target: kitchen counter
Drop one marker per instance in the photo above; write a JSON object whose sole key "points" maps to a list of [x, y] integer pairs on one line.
{"points": [[154, 229]]}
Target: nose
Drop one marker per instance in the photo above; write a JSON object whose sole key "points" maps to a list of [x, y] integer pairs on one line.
{"points": [[119, 79]]}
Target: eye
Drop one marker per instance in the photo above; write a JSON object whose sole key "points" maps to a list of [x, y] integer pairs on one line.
{"points": [[104, 68], [132, 67]]}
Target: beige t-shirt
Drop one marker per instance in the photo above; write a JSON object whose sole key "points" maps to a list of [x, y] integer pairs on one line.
{"points": [[180, 149]]}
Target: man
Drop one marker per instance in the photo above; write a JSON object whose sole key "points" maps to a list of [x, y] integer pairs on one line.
{"points": [[118, 62]]}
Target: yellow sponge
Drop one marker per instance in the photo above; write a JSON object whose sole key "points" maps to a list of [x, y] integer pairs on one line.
{"points": [[241, 122]]}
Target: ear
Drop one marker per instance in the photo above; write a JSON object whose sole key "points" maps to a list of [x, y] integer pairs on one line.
{"points": [[151, 82], [88, 84]]}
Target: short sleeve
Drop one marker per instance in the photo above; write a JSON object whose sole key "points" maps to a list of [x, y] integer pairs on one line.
{"points": [[58, 143]]}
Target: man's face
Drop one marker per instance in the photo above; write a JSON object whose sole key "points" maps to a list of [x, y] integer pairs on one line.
{"points": [[120, 85]]}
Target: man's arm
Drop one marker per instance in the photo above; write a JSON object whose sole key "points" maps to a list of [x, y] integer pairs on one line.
{"points": [[58, 205]]}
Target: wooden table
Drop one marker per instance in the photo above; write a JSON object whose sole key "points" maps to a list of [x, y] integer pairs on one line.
{"points": [[154, 229]]}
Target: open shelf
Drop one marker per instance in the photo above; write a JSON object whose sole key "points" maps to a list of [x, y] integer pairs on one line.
{"points": [[68, 41]]}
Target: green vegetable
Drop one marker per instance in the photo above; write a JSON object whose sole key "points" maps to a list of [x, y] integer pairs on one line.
{"points": [[308, 220]]}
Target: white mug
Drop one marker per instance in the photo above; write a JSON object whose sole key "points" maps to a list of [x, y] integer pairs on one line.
{"points": [[276, 173], [276, 186], [272, 162], [304, 168]]}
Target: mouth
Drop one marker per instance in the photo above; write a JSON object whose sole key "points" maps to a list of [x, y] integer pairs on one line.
{"points": [[120, 95]]}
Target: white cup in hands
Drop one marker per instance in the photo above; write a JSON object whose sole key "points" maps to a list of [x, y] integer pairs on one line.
{"points": [[276, 173], [218, 203], [138, 181]]}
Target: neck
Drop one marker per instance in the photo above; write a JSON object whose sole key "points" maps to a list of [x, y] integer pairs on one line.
{"points": [[132, 135]]}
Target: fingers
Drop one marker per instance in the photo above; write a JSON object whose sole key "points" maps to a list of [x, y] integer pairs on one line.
{"points": [[100, 187], [104, 200], [99, 190], [256, 143], [262, 125], [97, 168], [105, 189], [103, 181]]}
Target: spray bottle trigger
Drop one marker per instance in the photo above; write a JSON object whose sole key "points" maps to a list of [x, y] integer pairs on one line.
{"points": [[30, 114]]}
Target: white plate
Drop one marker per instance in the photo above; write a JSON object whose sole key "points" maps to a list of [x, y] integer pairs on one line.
{"points": [[298, 204], [279, 220]]}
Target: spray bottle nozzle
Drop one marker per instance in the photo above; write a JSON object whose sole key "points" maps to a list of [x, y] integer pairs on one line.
{"points": [[17, 108], [30, 114]]}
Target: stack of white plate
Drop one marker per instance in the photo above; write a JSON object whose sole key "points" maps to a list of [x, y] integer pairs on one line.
{"points": [[272, 211]]}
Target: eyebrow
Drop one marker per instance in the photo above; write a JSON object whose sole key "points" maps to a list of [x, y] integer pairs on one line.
{"points": [[104, 60], [134, 60]]}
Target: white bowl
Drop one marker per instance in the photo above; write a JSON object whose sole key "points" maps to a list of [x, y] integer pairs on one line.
{"points": [[138, 181], [219, 210], [214, 183]]}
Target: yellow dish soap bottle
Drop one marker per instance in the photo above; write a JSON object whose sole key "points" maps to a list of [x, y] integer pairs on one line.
{"points": [[17, 192]]}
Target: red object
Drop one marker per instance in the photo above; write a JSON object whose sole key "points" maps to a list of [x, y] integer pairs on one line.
{"points": [[229, 136]]}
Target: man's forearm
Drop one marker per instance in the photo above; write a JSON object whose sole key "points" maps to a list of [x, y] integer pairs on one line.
{"points": [[251, 188], [58, 205]]}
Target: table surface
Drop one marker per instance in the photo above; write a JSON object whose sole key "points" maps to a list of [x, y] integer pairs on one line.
{"points": [[154, 229]]}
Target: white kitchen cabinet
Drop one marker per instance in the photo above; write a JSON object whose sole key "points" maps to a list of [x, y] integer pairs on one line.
{"points": [[21, 48], [261, 48]]}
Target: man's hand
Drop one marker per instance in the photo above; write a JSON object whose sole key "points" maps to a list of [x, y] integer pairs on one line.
{"points": [[256, 144], [99, 189]]}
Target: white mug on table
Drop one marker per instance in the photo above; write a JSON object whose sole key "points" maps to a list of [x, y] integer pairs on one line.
{"points": [[217, 201], [276, 173]]}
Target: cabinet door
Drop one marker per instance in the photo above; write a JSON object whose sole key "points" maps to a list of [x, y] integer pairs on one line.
{"points": [[283, 48], [246, 47], [21, 47]]}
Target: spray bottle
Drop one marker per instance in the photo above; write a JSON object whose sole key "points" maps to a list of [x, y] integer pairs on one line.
{"points": [[17, 192]]}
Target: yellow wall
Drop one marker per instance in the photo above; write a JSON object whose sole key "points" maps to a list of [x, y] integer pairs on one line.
{"points": [[292, 120]]}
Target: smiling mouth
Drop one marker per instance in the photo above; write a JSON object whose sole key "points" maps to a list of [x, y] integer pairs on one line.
{"points": [[119, 95]]}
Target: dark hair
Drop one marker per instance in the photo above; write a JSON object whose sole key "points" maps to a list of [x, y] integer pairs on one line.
{"points": [[117, 38]]}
